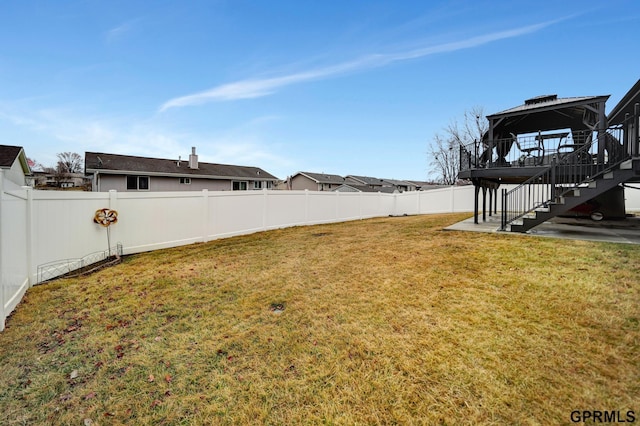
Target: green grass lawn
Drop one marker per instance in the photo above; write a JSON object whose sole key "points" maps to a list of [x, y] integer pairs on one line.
{"points": [[381, 321]]}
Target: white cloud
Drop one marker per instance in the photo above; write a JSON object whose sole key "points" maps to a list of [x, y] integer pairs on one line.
{"points": [[255, 88], [116, 33]]}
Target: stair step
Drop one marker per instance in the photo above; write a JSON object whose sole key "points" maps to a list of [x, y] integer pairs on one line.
{"points": [[516, 228], [608, 175], [627, 165]]}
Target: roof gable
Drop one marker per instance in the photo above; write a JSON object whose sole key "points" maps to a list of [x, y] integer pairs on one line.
{"points": [[626, 105], [547, 113], [8, 155], [346, 187], [366, 180], [323, 177], [541, 103]]}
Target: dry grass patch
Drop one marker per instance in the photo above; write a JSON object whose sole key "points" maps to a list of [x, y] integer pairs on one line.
{"points": [[372, 322]]}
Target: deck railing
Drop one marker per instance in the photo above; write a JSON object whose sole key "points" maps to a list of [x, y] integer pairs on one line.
{"points": [[565, 173], [524, 151]]}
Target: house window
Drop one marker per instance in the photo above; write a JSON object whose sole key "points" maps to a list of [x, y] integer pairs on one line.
{"points": [[185, 181], [262, 184], [138, 183], [239, 185]]}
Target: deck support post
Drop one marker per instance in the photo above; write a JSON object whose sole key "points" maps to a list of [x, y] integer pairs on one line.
{"points": [[635, 135], [484, 203], [475, 203], [602, 131]]}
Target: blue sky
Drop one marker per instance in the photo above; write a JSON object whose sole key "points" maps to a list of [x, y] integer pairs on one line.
{"points": [[349, 87]]}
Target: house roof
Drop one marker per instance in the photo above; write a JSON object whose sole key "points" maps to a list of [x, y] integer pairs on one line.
{"points": [[366, 188], [366, 180], [424, 186], [396, 182], [322, 177], [548, 112], [544, 102], [126, 164], [626, 105], [9, 154]]}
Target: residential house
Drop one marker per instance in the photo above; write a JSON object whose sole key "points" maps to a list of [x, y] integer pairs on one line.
{"points": [[401, 185], [130, 173], [53, 180], [425, 186], [314, 181], [352, 187], [377, 183], [13, 166]]}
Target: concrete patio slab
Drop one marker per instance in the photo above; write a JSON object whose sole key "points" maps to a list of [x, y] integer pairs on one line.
{"points": [[613, 231]]}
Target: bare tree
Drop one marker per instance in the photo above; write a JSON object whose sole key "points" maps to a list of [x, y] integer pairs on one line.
{"points": [[69, 162], [444, 151], [445, 161]]}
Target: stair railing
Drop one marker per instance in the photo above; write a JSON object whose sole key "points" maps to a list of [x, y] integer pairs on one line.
{"points": [[564, 174]]}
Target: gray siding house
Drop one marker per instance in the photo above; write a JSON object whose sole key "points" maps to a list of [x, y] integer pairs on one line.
{"points": [[314, 181], [130, 173], [377, 183]]}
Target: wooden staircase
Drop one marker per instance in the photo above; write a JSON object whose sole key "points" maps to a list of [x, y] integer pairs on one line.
{"points": [[569, 198]]}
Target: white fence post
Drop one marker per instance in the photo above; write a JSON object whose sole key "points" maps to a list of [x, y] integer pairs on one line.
{"points": [[205, 215], [29, 233], [306, 206], [395, 204], [2, 269], [265, 204], [453, 196], [113, 199], [113, 205]]}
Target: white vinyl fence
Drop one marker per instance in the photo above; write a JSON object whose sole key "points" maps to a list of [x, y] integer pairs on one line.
{"points": [[41, 230]]}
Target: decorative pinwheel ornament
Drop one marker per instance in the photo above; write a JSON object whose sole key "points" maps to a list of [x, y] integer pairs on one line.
{"points": [[106, 218]]}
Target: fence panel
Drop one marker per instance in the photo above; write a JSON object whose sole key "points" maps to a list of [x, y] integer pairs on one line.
{"points": [[235, 213], [151, 221], [285, 208], [14, 263], [632, 197], [63, 226]]}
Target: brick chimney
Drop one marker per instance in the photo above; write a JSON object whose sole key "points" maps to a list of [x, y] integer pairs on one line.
{"points": [[193, 159]]}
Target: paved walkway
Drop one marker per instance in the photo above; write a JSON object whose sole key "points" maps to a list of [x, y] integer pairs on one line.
{"points": [[612, 231]]}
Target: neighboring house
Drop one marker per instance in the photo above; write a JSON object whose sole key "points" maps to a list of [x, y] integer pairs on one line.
{"points": [[44, 180], [352, 187], [130, 173], [425, 186], [371, 182], [13, 165], [314, 181], [377, 183], [401, 185]]}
